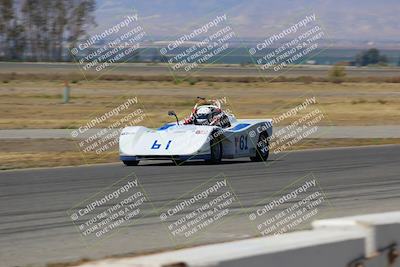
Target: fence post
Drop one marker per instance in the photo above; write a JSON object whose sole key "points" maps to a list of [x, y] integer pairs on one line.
{"points": [[66, 92]]}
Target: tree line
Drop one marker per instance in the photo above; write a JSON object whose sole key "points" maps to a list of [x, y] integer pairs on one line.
{"points": [[370, 57], [40, 30]]}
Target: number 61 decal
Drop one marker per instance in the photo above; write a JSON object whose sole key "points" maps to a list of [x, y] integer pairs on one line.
{"points": [[157, 146], [242, 142]]}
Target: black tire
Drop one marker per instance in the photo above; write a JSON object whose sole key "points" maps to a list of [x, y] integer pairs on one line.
{"points": [[262, 148], [131, 162], [216, 150]]}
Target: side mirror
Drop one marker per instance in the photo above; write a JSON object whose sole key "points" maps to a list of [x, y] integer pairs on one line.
{"points": [[172, 113]]}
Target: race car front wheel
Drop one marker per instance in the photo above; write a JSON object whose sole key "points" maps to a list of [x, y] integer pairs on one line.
{"points": [[130, 162], [262, 149], [216, 151]]}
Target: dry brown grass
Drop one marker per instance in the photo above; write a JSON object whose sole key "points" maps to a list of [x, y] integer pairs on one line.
{"points": [[38, 104], [76, 76], [25, 153]]}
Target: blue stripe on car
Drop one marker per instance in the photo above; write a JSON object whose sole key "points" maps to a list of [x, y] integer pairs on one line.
{"points": [[239, 126], [193, 157], [165, 126], [127, 158], [207, 156]]}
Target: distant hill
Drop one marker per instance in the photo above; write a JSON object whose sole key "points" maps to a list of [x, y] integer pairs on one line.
{"points": [[361, 20]]}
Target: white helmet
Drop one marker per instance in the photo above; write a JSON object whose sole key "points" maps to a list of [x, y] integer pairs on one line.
{"points": [[204, 115]]}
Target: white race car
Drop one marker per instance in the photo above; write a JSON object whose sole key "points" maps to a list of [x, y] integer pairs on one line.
{"points": [[209, 134]]}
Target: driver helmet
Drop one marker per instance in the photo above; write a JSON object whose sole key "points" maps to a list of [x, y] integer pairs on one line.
{"points": [[205, 114]]}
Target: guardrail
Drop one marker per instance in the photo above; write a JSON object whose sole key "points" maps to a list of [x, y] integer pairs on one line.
{"points": [[359, 241]]}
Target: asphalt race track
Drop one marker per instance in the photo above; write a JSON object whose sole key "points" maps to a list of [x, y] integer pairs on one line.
{"points": [[35, 228]]}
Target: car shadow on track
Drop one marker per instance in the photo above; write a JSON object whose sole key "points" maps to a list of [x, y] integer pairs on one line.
{"points": [[198, 163]]}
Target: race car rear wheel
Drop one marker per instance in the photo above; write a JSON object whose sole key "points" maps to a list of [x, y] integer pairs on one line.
{"points": [[262, 149], [131, 162], [216, 151]]}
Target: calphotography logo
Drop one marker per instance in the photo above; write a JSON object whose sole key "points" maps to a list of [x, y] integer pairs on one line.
{"points": [[298, 125], [101, 133], [192, 214], [202, 45], [291, 208], [118, 43], [103, 214], [295, 44]]}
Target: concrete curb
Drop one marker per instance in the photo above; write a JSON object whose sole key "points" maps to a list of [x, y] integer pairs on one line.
{"points": [[366, 240]]}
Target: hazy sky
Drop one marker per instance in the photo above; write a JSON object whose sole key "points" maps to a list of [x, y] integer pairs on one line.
{"points": [[367, 20]]}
